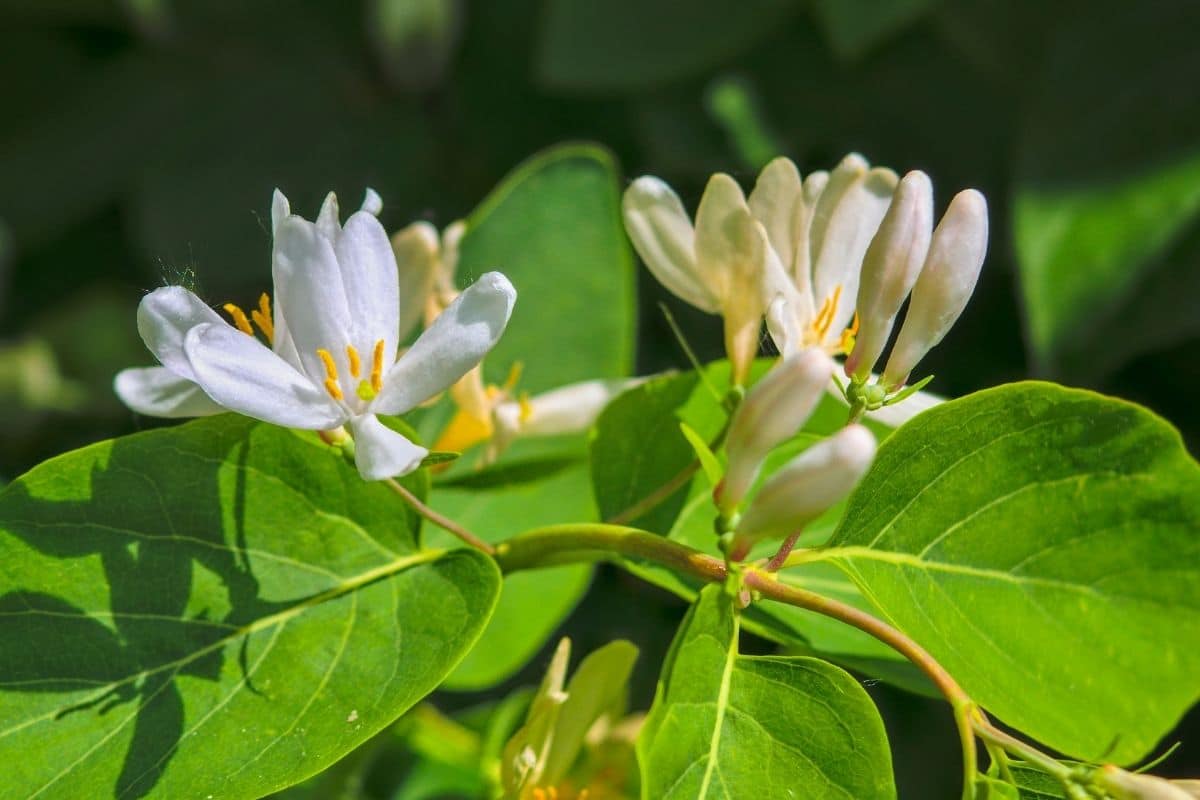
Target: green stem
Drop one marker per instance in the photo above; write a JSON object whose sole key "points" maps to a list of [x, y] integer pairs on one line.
{"points": [[557, 544]]}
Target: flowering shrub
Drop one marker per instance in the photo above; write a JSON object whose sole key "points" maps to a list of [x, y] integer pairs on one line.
{"points": [[233, 605]]}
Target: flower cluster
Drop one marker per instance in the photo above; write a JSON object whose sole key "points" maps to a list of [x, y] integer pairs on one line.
{"points": [[828, 260]]}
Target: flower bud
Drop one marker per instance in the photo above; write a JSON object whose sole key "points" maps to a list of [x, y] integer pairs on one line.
{"points": [[774, 410], [890, 268], [1124, 785], [947, 280], [807, 486], [417, 250]]}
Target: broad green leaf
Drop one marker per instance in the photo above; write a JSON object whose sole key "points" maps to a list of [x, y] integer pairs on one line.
{"points": [[853, 27], [220, 608], [724, 725], [532, 604], [1043, 544], [553, 226], [1108, 189], [632, 44]]}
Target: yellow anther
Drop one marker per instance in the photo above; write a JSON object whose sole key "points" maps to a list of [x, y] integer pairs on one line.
{"points": [[239, 318], [331, 375], [525, 406], [377, 367], [355, 362], [825, 315], [539, 794], [262, 317]]}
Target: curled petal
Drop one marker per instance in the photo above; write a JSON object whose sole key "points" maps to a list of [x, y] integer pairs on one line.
{"points": [[371, 282], [380, 452], [329, 218], [310, 295], [242, 375], [372, 203], [159, 392], [456, 341], [775, 202], [163, 319], [416, 252], [280, 209], [663, 236]]}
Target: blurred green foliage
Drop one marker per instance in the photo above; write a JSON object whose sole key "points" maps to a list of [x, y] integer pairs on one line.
{"points": [[140, 141]]}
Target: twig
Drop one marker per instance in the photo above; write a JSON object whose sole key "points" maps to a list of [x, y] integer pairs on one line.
{"points": [[438, 519]]}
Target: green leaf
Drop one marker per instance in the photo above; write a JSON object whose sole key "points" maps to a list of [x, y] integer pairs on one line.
{"points": [[1107, 198], [632, 44], [532, 604], [709, 462], [1042, 543], [724, 725], [220, 608], [553, 226]]}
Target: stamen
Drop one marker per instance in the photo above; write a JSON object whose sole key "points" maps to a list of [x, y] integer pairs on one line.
{"points": [[525, 406], [539, 794], [377, 367], [331, 379], [514, 375], [355, 363], [262, 317], [239, 318], [825, 315]]}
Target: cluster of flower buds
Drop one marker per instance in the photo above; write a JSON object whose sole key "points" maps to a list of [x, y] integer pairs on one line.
{"points": [[828, 260], [773, 411]]}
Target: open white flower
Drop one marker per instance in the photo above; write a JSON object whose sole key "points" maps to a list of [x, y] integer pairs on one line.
{"points": [[334, 336], [716, 266], [820, 229]]}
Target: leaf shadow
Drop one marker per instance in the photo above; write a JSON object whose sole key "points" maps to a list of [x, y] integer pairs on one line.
{"points": [[127, 658]]}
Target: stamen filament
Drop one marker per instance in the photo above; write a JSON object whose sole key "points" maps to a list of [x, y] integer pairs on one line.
{"points": [[239, 318], [377, 367], [355, 361], [262, 318], [331, 380]]}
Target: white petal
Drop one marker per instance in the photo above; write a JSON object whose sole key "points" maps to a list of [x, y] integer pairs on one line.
{"points": [[890, 268], [372, 284], [947, 280], [785, 326], [725, 238], [773, 202], [851, 226], [663, 236], [311, 296], [329, 219], [456, 341], [163, 319], [572, 408], [380, 452], [244, 376], [280, 209], [159, 392], [744, 303], [416, 251], [773, 411], [802, 264], [372, 203], [808, 485]]}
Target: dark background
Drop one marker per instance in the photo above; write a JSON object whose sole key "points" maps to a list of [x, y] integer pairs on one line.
{"points": [[139, 143]]}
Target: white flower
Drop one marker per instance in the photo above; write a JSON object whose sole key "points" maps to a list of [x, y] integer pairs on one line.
{"points": [[945, 285], [334, 335], [890, 268], [716, 266], [819, 230], [806, 486], [773, 411], [1123, 785], [564, 410]]}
